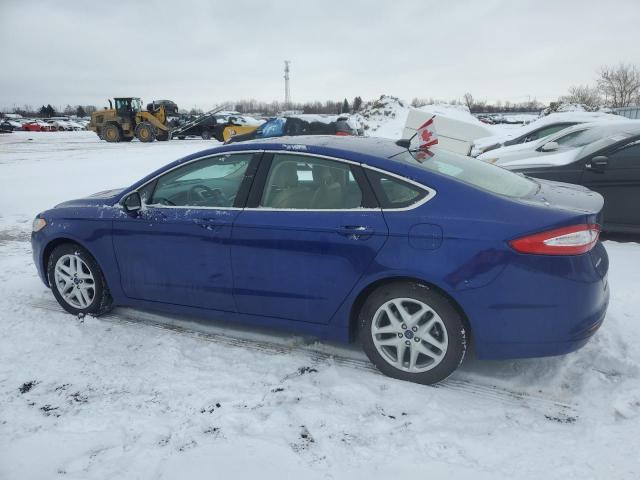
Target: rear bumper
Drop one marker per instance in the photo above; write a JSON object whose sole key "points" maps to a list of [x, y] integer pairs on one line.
{"points": [[549, 306]]}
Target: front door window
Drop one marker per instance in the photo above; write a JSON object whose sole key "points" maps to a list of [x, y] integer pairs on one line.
{"points": [[213, 182]]}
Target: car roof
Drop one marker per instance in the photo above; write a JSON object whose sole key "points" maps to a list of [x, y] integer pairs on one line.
{"points": [[344, 146]]}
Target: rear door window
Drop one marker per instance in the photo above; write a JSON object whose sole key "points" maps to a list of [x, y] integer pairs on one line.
{"points": [[301, 182]]}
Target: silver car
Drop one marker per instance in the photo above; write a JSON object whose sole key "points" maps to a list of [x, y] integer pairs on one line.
{"points": [[564, 140]]}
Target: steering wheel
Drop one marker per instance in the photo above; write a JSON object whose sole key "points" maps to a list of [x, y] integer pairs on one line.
{"points": [[203, 194]]}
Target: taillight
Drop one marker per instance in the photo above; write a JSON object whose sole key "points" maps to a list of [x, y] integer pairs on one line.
{"points": [[573, 240]]}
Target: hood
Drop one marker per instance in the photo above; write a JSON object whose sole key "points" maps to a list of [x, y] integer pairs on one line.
{"points": [[106, 197]]}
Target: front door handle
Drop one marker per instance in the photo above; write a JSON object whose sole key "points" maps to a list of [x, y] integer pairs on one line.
{"points": [[355, 232], [209, 223]]}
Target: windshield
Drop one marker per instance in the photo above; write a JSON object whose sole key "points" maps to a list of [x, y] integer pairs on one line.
{"points": [[474, 172], [587, 136]]}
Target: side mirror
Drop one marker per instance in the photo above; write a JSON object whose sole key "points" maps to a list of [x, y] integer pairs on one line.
{"points": [[132, 203], [598, 164], [549, 147]]}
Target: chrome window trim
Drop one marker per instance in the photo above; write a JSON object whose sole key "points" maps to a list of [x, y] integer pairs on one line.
{"points": [[430, 192]]}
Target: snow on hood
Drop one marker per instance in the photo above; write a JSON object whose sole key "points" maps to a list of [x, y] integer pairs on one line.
{"points": [[555, 160]]}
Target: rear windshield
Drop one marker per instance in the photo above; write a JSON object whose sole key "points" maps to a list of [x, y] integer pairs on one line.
{"points": [[474, 172]]}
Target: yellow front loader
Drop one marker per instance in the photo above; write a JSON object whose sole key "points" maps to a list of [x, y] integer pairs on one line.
{"points": [[127, 120]]}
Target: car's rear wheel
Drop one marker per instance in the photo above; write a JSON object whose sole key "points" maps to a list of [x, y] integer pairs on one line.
{"points": [[206, 135], [77, 281], [412, 332]]}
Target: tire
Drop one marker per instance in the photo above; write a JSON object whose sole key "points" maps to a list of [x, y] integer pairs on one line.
{"points": [[127, 139], [72, 270], [444, 338], [111, 133], [206, 135], [180, 138], [145, 132]]}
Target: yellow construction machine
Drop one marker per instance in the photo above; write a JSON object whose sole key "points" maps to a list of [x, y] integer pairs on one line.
{"points": [[127, 120]]}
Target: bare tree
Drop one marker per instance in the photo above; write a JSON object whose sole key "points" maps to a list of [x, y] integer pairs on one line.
{"points": [[584, 95], [619, 84], [468, 100]]}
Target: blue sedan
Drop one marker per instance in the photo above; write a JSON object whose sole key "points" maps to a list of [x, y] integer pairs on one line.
{"points": [[417, 255]]}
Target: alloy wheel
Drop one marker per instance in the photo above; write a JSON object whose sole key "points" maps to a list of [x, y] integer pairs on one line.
{"points": [[74, 281], [409, 335]]}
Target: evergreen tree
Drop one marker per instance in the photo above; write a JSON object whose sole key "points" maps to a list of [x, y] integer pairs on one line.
{"points": [[43, 111], [345, 106], [357, 104], [80, 112]]}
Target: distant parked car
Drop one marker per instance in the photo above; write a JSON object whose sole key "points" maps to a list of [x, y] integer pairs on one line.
{"points": [[537, 130], [6, 127], [609, 166], [299, 125], [37, 126], [170, 107], [566, 139]]}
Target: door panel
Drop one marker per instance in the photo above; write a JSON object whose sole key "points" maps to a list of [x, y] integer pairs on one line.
{"points": [[300, 265], [312, 229], [176, 250], [619, 184], [177, 256]]}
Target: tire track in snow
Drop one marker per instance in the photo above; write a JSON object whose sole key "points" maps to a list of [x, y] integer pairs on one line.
{"points": [[551, 408]]}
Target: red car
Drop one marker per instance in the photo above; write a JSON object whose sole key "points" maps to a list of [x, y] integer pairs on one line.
{"points": [[37, 127]]}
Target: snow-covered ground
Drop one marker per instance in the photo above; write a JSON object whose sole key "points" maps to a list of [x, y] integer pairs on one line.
{"points": [[135, 395]]}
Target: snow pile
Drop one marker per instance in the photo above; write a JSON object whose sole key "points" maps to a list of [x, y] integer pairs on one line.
{"points": [[457, 112], [386, 116], [117, 397]]}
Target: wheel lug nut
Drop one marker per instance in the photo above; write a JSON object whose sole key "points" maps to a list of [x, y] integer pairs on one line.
{"points": [[400, 335], [404, 327], [416, 339], [415, 329], [407, 342]]}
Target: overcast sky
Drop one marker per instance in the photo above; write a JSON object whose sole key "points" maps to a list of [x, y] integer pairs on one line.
{"points": [[203, 52]]}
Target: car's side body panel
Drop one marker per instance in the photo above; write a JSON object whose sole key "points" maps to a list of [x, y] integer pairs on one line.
{"points": [[300, 271]]}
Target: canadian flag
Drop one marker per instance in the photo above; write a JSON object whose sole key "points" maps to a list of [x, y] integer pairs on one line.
{"points": [[426, 134]]}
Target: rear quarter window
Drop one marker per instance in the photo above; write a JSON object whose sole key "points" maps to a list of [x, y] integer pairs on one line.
{"points": [[393, 192]]}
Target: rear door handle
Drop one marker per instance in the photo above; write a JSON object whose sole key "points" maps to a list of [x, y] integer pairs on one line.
{"points": [[355, 232]]}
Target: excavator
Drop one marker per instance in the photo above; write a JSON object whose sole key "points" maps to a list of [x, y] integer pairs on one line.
{"points": [[128, 120]]}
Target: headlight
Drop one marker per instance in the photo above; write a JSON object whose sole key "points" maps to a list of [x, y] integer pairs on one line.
{"points": [[38, 224]]}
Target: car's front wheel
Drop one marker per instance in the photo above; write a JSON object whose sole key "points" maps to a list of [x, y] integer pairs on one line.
{"points": [[412, 332], [77, 281]]}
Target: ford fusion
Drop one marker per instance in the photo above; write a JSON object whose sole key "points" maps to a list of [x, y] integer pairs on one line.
{"points": [[415, 254]]}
